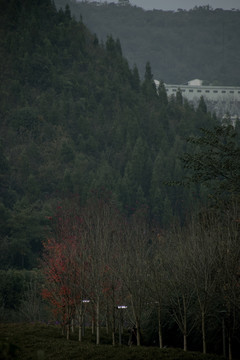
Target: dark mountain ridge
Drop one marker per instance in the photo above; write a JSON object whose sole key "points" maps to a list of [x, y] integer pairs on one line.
{"points": [[75, 118], [199, 43]]}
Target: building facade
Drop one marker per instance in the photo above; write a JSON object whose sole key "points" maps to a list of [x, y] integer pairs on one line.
{"points": [[221, 99]]}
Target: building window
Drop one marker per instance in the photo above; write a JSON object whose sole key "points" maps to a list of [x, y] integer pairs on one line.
{"points": [[223, 92], [207, 91], [231, 92], [166, 89], [215, 91], [190, 90], [174, 90], [199, 91], [183, 90]]}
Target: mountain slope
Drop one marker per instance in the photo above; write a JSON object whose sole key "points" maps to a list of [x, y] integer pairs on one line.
{"points": [[200, 43], [76, 119]]}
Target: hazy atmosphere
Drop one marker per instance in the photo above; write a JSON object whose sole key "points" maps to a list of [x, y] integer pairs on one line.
{"points": [[119, 180], [182, 4]]}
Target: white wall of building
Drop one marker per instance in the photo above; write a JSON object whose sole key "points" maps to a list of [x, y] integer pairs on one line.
{"points": [[195, 82], [213, 93], [221, 99]]}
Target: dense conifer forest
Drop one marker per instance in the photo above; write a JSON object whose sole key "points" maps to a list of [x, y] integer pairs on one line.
{"points": [[201, 43], [75, 118], [90, 151]]}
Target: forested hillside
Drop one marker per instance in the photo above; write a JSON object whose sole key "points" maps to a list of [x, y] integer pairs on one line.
{"points": [[201, 43], [96, 207], [75, 118]]}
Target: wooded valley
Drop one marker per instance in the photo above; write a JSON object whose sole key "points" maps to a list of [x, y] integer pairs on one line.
{"points": [[111, 191]]}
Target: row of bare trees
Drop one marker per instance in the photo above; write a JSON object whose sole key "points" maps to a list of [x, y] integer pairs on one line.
{"points": [[189, 274]]}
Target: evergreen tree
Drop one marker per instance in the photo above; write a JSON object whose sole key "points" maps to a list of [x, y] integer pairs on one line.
{"points": [[148, 86], [216, 163], [202, 107], [162, 94], [75, 119]]}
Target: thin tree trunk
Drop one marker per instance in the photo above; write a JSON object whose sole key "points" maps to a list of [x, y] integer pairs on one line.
{"points": [[68, 331], [138, 333], [107, 324], [120, 333], [80, 325], [223, 337], [107, 319], [184, 342], [160, 326], [184, 324], [80, 329], [137, 323], [97, 323], [113, 337], [204, 333], [113, 327], [113, 318], [229, 347]]}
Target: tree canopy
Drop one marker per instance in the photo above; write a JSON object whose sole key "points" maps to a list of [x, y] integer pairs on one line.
{"points": [[76, 118], [182, 45]]}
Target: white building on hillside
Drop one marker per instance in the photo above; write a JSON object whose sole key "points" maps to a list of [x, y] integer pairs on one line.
{"points": [[221, 99], [195, 82]]}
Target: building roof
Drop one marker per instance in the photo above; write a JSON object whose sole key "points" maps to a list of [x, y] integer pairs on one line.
{"points": [[195, 82]]}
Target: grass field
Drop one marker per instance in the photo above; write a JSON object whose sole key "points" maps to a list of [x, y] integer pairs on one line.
{"points": [[45, 342]]}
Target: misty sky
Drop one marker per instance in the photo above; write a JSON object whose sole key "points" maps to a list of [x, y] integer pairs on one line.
{"points": [[182, 4]]}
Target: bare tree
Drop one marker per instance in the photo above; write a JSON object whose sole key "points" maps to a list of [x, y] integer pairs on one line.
{"points": [[133, 265], [99, 227], [201, 257], [228, 255], [157, 284], [211, 251], [180, 283], [31, 305]]}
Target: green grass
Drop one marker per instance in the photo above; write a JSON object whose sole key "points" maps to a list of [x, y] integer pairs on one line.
{"points": [[44, 342]]}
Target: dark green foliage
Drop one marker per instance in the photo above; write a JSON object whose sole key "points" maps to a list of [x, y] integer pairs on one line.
{"points": [[199, 43], [38, 341], [13, 283], [216, 161], [202, 107], [162, 93], [76, 118]]}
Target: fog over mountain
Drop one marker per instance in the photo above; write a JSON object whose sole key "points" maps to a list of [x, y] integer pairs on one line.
{"points": [[185, 4], [182, 4]]}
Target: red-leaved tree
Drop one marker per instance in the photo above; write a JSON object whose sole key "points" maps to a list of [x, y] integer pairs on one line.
{"points": [[61, 268]]}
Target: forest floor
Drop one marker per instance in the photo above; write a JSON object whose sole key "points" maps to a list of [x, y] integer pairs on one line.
{"points": [[44, 342]]}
